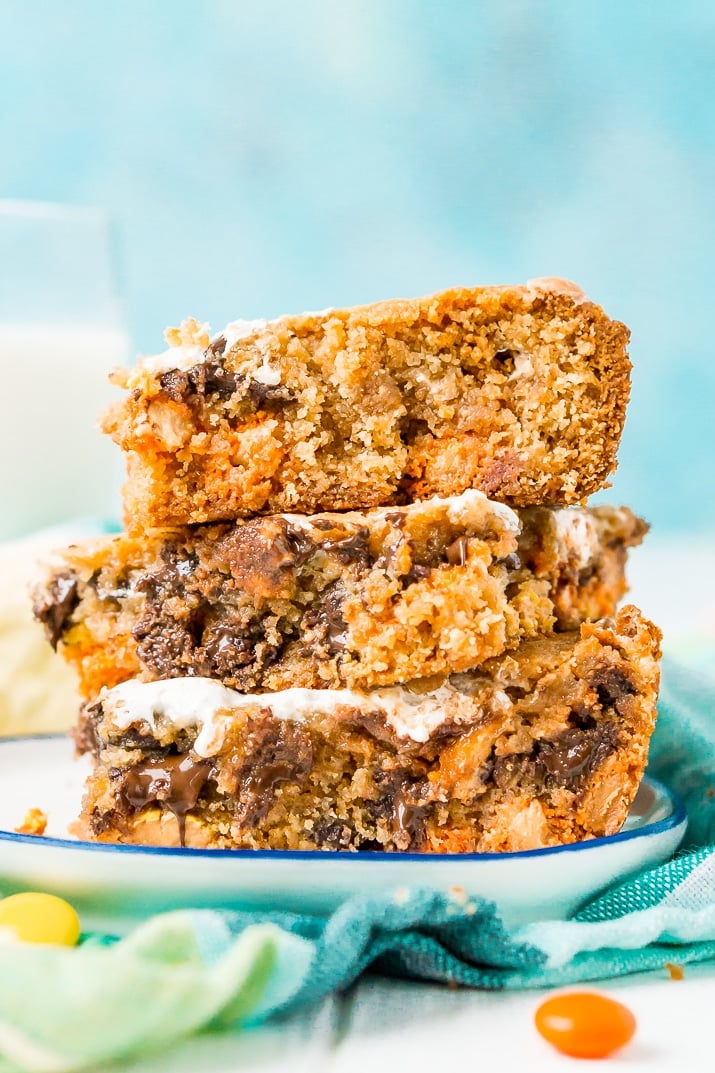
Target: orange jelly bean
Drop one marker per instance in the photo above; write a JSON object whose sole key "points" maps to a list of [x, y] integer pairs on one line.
{"points": [[584, 1024]]}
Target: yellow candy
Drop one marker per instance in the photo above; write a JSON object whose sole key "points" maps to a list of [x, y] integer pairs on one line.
{"points": [[39, 918]]}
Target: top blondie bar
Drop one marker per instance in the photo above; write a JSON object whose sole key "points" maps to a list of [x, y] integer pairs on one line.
{"points": [[518, 391]]}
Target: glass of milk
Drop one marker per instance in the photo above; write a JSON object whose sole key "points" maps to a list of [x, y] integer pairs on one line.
{"points": [[61, 333]]}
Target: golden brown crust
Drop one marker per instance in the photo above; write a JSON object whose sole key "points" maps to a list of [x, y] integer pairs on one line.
{"points": [[545, 745], [517, 391], [362, 599]]}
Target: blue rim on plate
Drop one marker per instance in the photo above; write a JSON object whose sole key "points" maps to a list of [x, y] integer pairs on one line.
{"points": [[677, 816]]}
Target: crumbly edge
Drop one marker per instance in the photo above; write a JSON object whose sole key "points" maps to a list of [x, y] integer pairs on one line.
{"points": [[559, 760], [348, 600], [519, 392]]}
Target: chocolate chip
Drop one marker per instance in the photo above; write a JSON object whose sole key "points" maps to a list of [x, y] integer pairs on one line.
{"points": [[263, 556], [175, 383], [301, 545], [55, 606], [85, 735], [353, 548], [276, 752], [612, 685], [417, 572], [217, 347], [169, 581], [209, 378], [328, 619], [332, 833], [268, 397], [102, 821], [574, 753], [400, 803], [511, 562], [565, 760], [409, 823], [165, 646], [507, 772], [457, 551], [226, 649]]}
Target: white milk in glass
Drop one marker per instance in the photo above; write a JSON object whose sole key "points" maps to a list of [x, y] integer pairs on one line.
{"points": [[55, 464]]}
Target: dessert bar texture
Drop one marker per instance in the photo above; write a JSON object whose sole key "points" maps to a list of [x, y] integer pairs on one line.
{"points": [[329, 600], [519, 391], [544, 745]]}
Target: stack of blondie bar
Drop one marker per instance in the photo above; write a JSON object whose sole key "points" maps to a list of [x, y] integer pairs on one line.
{"points": [[360, 603]]}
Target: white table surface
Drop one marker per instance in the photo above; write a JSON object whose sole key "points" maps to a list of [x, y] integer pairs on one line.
{"points": [[384, 1025]]}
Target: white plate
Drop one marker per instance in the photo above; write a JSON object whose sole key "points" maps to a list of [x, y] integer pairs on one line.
{"points": [[111, 885]]}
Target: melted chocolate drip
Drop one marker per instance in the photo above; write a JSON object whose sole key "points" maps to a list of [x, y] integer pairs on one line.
{"points": [[410, 818], [174, 782]]}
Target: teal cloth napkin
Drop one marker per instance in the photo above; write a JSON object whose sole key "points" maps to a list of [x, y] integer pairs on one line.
{"points": [[181, 972]]}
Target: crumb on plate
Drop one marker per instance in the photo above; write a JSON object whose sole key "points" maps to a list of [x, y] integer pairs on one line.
{"points": [[35, 823]]}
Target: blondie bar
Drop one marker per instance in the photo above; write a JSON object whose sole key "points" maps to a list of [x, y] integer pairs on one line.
{"points": [[517, 391], [542, 746], [330, 600]]}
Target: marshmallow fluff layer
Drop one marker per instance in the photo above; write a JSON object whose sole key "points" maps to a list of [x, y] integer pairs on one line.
{"points": [[207, 706]]}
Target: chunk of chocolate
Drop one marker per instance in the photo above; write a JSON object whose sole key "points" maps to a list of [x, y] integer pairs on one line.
{"points": [[457, 551], [217, 347], [268, 397], [263, 556], [352, 548], [210, 378], [328, 619], [176, 384], [165, 646], [576, 752], [276, 752], [55, 608], [612, 685], [175, 782], [409, 823], [417, 572], [333, 834]]}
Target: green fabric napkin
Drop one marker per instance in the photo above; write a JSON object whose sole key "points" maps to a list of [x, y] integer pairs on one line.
{"points": [[66, 1009]]}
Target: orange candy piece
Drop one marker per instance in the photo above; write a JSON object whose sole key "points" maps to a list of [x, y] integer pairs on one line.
{"points": [[584, 1024]]}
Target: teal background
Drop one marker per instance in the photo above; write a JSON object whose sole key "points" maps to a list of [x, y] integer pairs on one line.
{"points": [[266, 157]]}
